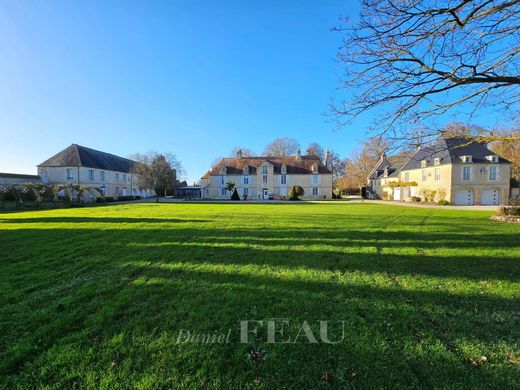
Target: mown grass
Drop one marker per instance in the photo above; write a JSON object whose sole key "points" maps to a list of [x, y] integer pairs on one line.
{"points": [[95, 297]]}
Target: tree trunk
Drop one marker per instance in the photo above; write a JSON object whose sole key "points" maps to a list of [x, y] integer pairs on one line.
{"points": [[156, 197]]}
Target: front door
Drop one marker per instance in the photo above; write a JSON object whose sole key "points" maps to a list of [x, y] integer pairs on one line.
{"points": [[265, 194]]}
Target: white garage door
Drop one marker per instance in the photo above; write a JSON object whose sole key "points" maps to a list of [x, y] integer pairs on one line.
{"points": [[397, 194], [490, 197], [464, 198]]}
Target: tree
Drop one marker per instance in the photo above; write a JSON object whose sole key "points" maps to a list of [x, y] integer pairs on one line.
{"points": [[281, 147], [362, 162], [414, 60], [295, 192], [509, 149], [230, 185], [235, 196], [155, 171], [337, 165], [315, 149], [246, 152]]}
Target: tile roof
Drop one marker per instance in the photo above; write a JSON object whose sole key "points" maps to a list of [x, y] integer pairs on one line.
{"points": [[294, 165], [81, 156], [450, 151]]}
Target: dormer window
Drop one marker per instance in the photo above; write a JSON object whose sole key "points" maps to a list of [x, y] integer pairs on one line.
{"points": [[223, 170], [437, 161], [492, 158], [264, 169], [284, 169], [423, 164], [466, 159], [246, 169], [314, 168]]}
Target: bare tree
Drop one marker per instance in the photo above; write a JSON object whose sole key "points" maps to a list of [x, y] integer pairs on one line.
{"points": [[414, 60], [246, 152], [154, 170], [509, 149], [281, 147], [315, 149]]}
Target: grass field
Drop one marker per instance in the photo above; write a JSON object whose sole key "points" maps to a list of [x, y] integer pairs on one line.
{"points": [[96, 297]]}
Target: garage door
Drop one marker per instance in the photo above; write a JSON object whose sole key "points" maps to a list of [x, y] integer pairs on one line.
{"points": [[464, 197], [490, 197]]}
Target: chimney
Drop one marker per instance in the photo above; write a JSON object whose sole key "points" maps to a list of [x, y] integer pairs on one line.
{"points": [[327, 158], [298, 154], [239, 153]]}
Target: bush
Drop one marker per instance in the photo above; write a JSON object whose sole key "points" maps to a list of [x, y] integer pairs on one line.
{"points": [[513, 211], [416, 198], [235, 196], [126, 197], [443, 202], [296, 192], [244, 197]]}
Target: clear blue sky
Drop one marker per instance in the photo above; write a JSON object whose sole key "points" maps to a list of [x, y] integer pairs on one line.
{"points": [[194, 78]]}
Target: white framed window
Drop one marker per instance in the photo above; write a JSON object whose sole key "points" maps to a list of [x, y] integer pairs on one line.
{"points": [[117, 177], [407, 176], [437, 161], [424, 175], [437, 174], [222, 180], [467, 159], [265, 169], [245, 191], [223, 191], [315, 179], [91, 174], [423, 163], [284, 169], [492, 173], [283, 179], [315, 168], [315, 191], [246, 169], [245, 180], [70, 174], [124, 178], [264, 179], [466, 173], [102, 174]]}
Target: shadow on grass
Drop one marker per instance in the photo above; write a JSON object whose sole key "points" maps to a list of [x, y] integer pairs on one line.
{"points": [[113, 301], [54, 220]]}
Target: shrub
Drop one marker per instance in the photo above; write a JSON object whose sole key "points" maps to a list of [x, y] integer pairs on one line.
{"points": [[416, 198], [244, 197], [235, 196], [296, 192], [443, 202], [126, 197], [513, 211]]}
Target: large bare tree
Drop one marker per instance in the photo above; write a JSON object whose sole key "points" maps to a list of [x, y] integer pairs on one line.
{"points": [[315, 149], [410, 61], [281, 147]]}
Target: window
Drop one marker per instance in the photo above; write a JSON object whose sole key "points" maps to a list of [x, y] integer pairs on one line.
{"points": [[117, 177], [492, 173], [246, 191], [246, 169], [284, 170], [493, 159], [315, 168], [437, 161], [102, 176], [264, 179], [223, 191], [69, 174], [314, 179], [466, 173], [314, 191], [264, 170], [124, 178], [424, 175], [222, 180], [407, 177], [91, 174], [246, 180], [466, 159], [223, 171], [283, 179], [423, 163], [437, 174]]}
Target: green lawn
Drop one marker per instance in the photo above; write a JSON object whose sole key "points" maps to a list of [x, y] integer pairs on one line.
{"points": [[95, 297]]}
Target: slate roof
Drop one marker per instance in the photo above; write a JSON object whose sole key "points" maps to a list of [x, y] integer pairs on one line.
{"points": [[294, 165], [379, 170], [81, 156], [18, 176], [450, 151]]}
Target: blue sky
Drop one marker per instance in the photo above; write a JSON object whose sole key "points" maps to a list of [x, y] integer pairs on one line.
{"points": [[194, 78]]}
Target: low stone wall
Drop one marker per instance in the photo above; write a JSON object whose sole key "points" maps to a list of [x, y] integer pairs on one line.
{"points": [[505, 218]]}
